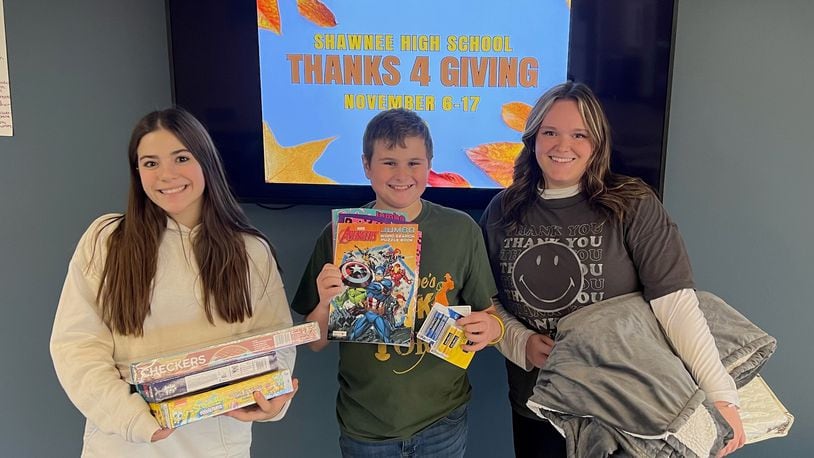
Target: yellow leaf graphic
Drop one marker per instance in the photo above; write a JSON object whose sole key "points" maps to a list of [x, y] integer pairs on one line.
{"points": [[515, 114], [268, 15], [496, 160], [293, 164], [316, 12]]}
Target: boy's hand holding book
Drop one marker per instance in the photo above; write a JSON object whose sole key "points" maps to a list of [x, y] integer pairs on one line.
{"points": [[329, 285]]}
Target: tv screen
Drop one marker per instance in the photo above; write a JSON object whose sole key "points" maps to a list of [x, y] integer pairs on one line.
{"points": [[287, 87]]}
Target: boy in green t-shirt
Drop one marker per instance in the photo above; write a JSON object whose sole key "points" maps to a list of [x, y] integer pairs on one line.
{"points": [[394, 400]]}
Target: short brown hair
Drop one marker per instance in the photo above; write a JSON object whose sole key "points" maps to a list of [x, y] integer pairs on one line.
{"points": [[392, 127]]}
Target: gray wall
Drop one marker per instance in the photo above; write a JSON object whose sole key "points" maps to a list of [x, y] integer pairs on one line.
{"points": [[738, 181], [82, 73]]}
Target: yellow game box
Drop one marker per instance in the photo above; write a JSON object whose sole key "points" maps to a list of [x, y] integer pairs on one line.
{"points": [[188, 409]]}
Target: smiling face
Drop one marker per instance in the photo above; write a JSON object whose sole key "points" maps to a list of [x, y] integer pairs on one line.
{"points": [[171, 176], [548, 276], [563, 146], [398, 175]]}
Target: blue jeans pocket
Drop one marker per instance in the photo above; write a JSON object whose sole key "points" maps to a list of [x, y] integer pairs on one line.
{"points": [[456, 416]]}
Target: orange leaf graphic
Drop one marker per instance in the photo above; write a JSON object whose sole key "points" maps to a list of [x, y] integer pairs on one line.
{"points": [[293, 164], [515, 114], [268, 15], [496, 160], [316, 12], [447, 180]]}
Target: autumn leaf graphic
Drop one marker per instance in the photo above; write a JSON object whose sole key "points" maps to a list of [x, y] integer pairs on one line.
{"points": [[293, 164], [447, 180], [316, 12], [268, 14], [496, 160], [514, 114]]}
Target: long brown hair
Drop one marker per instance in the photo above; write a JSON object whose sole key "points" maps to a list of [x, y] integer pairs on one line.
{"points": [[218, 246], [607, 191]]}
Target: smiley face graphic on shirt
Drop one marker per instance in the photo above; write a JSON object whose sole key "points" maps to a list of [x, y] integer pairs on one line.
{"points": [[548, 276]]}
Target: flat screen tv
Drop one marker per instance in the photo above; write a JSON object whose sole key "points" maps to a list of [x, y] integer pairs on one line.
{"points": [[286, 87]]}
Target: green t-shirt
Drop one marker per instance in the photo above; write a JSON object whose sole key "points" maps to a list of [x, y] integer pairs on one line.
{"points": [[388, 392]]}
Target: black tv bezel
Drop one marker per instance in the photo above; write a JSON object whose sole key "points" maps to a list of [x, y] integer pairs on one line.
{"points": [[214, 67]]}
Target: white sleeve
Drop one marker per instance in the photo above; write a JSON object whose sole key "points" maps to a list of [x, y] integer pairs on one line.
{"points": [[82, 352], [687, 329], [515, 336], [270, 306]]}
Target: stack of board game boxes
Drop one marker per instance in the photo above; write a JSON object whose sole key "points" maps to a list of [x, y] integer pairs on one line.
{"points": [[196, 383]]}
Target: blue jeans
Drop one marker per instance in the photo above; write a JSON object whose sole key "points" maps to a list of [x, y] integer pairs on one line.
{"points": [[444, 438]]}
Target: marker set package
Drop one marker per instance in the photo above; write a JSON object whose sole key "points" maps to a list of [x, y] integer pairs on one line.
{"points": [[444, 336]]}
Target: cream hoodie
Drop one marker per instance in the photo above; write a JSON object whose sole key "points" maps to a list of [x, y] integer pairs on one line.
{"points": [[91, 362]]}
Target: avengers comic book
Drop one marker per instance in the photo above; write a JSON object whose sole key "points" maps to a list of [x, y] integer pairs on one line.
{"points": [[365, 215], [379, 268]]}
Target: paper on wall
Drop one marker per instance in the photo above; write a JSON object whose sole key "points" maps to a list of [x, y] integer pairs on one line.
{"points": [[5, 88]]}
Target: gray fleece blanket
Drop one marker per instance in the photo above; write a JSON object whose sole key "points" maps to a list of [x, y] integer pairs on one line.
{"points": [[614, 386]]}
